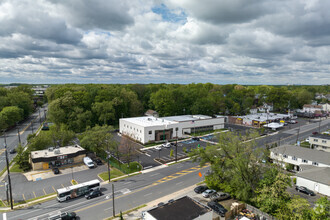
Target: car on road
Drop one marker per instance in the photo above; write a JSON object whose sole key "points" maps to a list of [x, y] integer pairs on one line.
{"points": [[305, 190], [219, 196], [315, 132], [195, 138], [158, 147], [56, 170], [207, 193], [292, 122], [93, 194], [200, 189], [89, 162], [63, 216], [217, 208], [12, 151], [166, 145]]}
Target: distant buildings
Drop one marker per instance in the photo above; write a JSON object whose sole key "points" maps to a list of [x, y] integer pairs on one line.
{"points": [[152, 129], [258, 120], [320, 142]]}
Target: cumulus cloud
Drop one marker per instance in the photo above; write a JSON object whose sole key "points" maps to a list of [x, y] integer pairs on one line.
{"points": [[137, 41]]}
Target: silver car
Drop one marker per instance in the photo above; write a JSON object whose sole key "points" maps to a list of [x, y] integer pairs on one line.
{"points": [[219, 196], [207, 193]]}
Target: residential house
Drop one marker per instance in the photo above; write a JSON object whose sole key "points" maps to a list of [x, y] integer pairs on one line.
{"points": [[320, 142], [297, 156], [184, 208], [312, 108], [266, 107]]}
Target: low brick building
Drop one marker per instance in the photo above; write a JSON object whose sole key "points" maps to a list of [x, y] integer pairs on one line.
{"points": [[45, 159]]}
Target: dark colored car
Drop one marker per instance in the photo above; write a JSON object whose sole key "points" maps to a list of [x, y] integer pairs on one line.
{"points": [[160, 204], [305, 190], [56, 170], [195, 138], [98, 161], [64, 216], [217, 208], [315, 132], [200, 189], [12, 151], [92, 194]]}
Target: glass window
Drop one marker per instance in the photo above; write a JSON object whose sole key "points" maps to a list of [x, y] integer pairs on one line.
{"points": [[305, 161], [316, 140], [315, 163], [323, 141], [150, 132], [294, 158], [285, 156]]}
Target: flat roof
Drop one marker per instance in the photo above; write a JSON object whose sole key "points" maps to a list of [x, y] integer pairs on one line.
{"points": [[149, 121], [304, 153], [54, 152], [184, 208], [264, 116], [163, 121], [323, 136]]}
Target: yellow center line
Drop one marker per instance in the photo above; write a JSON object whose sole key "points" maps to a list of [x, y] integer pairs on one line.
{"points": [[53, 188], [44, 191], [138, 190], [23, 197], [34, 194]]}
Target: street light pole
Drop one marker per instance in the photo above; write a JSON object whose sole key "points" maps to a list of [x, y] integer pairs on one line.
{"points": [[176, 146], [108, 159], [32, 126], [113, 201], [8, 172]]}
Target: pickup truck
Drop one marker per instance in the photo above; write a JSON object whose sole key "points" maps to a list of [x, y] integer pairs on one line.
{"points": [[89, 162]]}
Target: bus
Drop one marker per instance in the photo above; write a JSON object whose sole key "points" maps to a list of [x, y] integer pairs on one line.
{"points": [[80, 189]]}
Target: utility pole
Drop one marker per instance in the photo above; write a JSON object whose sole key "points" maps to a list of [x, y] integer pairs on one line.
{"points": [[298, 134], [320, 126], [8, 173], [45, 114], [113, 201], [39, 117], [176, 146], [108, 159], [32, 126], [19, 136]]}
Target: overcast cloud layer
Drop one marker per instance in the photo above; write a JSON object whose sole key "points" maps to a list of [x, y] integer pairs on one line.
{"points": [[171, 41]]}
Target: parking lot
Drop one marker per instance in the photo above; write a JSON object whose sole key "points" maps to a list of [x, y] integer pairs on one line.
{"points": [[164, 156]]}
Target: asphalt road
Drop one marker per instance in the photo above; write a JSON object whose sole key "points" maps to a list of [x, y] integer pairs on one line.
{"points": [[24, 129], [129, 193]]}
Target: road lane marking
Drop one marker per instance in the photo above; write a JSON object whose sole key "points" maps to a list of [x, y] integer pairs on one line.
{"points": [[62, 185], [34, 194], [155, 174], [108, 209], [147, 155], [44, 191], [118, 197], [4, 216], [147, 194], [179, 183], [53, 188], [23, 197]]}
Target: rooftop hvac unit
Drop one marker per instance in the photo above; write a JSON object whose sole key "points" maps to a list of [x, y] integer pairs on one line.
{"points": [[50, 149], [57, 151]]}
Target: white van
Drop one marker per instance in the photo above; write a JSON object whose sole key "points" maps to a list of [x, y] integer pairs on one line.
{"points": [[88, 161]]}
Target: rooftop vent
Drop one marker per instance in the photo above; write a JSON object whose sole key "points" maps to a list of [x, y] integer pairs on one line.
{"points": [[50, 149], [57, 151]]}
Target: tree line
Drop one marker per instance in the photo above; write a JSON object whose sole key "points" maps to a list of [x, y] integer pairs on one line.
{"points": [[80, 106], [16, 104]]}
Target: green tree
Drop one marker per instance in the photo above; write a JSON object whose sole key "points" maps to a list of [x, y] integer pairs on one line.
{"points": [[235, 164], [10, 115], [321, 209], [22, 158]]}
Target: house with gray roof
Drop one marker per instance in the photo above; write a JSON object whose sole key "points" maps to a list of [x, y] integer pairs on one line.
{"points": [[291, 154], [316, 179]]}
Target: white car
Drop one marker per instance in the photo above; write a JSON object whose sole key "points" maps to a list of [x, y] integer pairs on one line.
{"points": [[89, 162], [158, 147], [166, 145], [207, 193]]}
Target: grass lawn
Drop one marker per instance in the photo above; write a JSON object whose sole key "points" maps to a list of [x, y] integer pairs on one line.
{"points": [[15, 169], [113, 174], [305, 144]]}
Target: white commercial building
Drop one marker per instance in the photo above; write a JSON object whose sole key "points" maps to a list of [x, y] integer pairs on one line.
{"points": [[150, 129]]}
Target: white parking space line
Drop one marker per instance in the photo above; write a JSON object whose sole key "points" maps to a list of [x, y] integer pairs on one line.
{"points": [[179, 183], [147, 155], [108, 209], [155, 174]]}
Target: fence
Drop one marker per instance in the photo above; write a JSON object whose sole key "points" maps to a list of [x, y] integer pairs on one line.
{"points": [[261, 214], [235, 212]]}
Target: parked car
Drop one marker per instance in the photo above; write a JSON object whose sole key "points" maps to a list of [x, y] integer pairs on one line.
{"points": [[219, 196], [207, 193], [98, 161], [293, 122], [160, 204], [158, 147], [305, 190], [63, 216], [88, 162], [56, 170], [166, 145], [315, 132], [200, 189], [93, 194], [195, 138], [12, 151], [217, 208]]}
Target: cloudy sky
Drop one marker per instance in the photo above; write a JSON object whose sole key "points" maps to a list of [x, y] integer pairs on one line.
{"points": [[169, 41]]}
